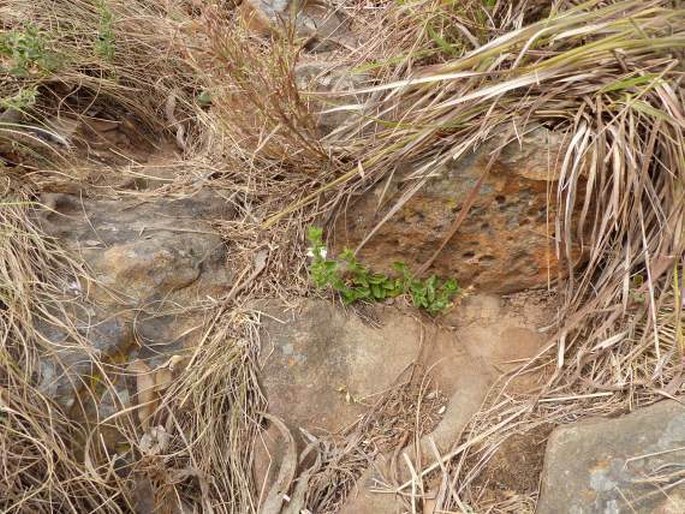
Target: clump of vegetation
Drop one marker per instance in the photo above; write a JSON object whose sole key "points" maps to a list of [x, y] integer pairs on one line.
{"points": [[26, 51], [355, 282], [104, 46], [24, 99]]}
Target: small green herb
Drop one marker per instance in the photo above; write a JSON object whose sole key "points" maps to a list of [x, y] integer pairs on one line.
{"points": [[22, 101], [27, 51], [105, 44], [204, 99], [355, 282]]}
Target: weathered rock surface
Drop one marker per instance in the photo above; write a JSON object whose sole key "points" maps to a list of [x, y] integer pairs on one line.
{"points": [[488, 333], [142, 251], [152, 261], [317, 361], [320, 364], [263, 16], [324, 27], [632, 463], [315, 77], [505, 244]]}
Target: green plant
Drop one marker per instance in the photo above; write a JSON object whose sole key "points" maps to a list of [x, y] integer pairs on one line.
{"points": [[354, 281], [204, 98], [104, 46], [23, 100], [27, 51]]}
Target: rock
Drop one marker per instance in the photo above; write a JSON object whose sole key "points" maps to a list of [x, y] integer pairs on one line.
{"points": [[161, 335], [325, 28], [320, 363], [363, 501], [322, 26], [148, 258], [627, 464], [143, 251], [464, 380], [505, 244], [319, 76], [64, 361], [465, 362], [263, 16]]}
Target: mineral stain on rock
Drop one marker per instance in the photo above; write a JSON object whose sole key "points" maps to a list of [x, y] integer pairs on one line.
{"points": [[507, 241]]}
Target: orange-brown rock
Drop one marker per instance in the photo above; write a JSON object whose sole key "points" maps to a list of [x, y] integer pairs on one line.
{"points": [[506, 243]]}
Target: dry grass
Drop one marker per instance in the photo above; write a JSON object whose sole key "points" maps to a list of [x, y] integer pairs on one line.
{"points": [[437, 80], [102, 59], [211, 414], [258, 102], [402, 414], [40, 470]]}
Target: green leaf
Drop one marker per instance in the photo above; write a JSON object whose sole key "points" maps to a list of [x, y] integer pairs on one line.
{"points": [[354, 281], [315, 235], [377, 279], [204, 99], [628, 83]]}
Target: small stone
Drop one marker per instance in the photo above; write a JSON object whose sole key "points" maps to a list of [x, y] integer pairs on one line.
{"points": [[155, 441], [320, 76], [262, 16]]}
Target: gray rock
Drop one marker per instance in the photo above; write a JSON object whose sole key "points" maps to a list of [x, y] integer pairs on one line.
{"points": [[142, 251], [630, 464], [318, 81], [65, 361], [152, 261], [323, 27]]}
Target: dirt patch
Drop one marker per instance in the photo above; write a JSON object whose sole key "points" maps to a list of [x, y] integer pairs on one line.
{"points": [[514, 470]]}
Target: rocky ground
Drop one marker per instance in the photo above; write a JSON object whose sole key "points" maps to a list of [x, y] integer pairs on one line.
{"points": [[387, 389], [368, 407]]}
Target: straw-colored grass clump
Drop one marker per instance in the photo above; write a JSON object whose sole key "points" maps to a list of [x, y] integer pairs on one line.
{"points": [[436, 80]]}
